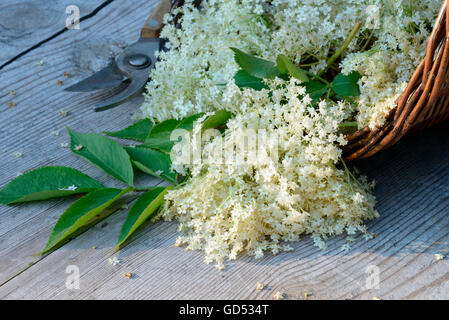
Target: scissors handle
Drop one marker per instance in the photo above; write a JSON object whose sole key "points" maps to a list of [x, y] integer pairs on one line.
{"points": [[154, 23]]}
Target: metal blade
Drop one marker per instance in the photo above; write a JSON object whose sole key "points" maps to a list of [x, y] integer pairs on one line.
{"points": [[108, 77], [137, 76], [134, 88]]}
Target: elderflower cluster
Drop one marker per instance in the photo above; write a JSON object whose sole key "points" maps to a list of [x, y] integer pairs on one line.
{"points": [[189, 76], [229, 207], [387, 67]]}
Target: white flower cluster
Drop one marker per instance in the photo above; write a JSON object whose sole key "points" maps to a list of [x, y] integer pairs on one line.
{"points": [[188, 78], [387, 67], [226, 209]]}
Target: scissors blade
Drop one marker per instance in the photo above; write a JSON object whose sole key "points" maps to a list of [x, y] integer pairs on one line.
{"points": [[137, 76], [133, 89], [108, 77]]}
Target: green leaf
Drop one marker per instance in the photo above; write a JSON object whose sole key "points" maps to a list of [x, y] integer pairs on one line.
{"points": [[187, 123], [80, 213], [256, 67], [138, 131], [46, 183], [144, 208], [153, 162], [347, 86], [218, 119], [105, 153], [286, 66], [244, 80], [159, 137], [315, 89]]}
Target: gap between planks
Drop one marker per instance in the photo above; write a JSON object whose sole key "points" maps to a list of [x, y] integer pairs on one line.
{"points": [[54, 35]]}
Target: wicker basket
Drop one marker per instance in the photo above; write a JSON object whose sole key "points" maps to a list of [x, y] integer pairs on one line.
{"points": [[424, 102]]}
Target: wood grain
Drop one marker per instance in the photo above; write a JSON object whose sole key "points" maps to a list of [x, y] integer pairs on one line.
{"points": [[38, 100], [412, 192], [25, 24]]}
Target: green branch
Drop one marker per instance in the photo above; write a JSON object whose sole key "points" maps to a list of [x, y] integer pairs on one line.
{"points": [[342, 48]]}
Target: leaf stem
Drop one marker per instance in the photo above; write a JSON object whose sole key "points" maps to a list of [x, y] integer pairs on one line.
{"points": [[312, 75], [348, 124], [308, 64], [138, 189], [350, 175], [337, 54], [328, 95], [367, 42]]}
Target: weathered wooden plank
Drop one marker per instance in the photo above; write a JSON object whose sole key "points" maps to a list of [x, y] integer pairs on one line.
{"points": [[413, 195], [414, 226], [24, 24], [27, 126]]}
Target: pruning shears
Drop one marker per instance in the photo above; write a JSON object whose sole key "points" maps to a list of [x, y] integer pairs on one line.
{"points": [[132, 67]]}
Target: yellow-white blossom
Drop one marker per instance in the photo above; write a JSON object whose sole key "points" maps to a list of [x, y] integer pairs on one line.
{"points": [[113, 261], [260, 286], [278, 295], [228, 207], [297, 185], [438, 256], [189, 77]]}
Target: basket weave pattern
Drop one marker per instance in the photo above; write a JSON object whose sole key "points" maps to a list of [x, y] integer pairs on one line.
{"points": [[424, 102]]}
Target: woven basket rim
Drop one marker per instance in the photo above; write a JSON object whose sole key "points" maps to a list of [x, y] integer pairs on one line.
{"points": [[423, 103]]}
